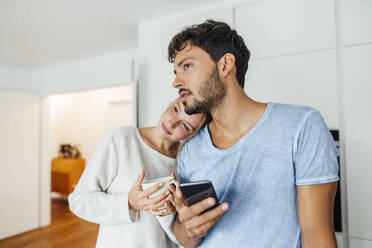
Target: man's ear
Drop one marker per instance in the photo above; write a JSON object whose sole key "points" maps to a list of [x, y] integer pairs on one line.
{"points": [[226, 64]]}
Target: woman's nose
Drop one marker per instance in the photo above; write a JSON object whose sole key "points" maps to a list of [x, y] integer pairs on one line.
{"points": [[173, 122]]}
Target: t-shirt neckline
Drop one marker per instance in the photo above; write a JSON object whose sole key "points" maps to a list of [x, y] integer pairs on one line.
{"points": [[243, 138]]}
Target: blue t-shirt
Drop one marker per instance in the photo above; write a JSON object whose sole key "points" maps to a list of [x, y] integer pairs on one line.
{"points": [[290, 145]]}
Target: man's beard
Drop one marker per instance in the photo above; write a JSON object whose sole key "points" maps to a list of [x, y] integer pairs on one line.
{"points": [[211, 91]]}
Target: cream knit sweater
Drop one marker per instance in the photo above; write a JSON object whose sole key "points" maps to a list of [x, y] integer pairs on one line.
{"points": [[101, 195]]}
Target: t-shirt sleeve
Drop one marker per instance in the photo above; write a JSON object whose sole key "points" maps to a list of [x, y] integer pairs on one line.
{"points": [[90, 199], [315, 154]]}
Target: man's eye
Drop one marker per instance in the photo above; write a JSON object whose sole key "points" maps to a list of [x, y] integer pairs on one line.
{"points": [[175, 109], [186, 66], [185, 127]]}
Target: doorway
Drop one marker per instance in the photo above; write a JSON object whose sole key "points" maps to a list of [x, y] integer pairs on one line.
{"points": [[81, 119]]}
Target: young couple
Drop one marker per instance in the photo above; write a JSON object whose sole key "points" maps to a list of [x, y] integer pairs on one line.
{"points": [[273, 166]]}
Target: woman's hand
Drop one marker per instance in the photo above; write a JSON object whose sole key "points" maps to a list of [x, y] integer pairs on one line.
{"points": [[139, 198]]}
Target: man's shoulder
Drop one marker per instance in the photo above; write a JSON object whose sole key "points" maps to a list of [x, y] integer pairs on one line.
{"points": [[291, 113], [291, 109], [299, 120], [197, 141]]}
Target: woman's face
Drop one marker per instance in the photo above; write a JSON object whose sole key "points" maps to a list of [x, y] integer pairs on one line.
{"points": [[175, 124]]}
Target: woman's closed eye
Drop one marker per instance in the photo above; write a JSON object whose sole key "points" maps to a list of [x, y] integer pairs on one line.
{"points": [[186, 127], [175, 109]]}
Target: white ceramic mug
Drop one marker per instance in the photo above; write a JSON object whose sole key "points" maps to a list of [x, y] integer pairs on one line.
{"points": [[165, 180]]}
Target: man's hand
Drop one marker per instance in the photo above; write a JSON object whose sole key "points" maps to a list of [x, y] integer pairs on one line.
{"points": [[190, 226]]}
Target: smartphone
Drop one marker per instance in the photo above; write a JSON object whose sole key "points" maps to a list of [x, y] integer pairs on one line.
{"points": [[194, 192]]}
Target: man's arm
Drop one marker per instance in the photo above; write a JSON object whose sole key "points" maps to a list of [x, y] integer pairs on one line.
{"points": [[180, 232], [315, 215], [190, 227]]}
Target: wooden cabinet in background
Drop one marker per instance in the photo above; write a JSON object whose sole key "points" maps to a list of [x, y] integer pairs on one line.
{"points": [[66, 173]]}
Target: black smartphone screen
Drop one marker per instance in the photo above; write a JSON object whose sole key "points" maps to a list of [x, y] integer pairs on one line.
{"points": [[194, 192]]}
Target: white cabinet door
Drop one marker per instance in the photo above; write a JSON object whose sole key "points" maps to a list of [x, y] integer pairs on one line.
{"points": [[356, 21], [359, 243], [358, 138], [341, 240], [19, 162], [272, 27], [169, 93], [150, 85], [172, 28], [303, 79]]}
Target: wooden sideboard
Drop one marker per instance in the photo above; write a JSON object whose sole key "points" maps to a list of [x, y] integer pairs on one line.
{"points": [[66, 173]]}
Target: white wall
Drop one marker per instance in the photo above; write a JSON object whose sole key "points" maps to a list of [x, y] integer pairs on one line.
{"points": [[150, 94], [19, 162], [356, 21], [17, 79], [102, 71], [357, 82], [274, 28]]}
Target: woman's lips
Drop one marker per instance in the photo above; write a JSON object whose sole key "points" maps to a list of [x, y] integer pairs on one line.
{"points": [[164, 128]]}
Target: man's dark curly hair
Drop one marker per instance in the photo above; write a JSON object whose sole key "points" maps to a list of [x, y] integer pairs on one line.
{"points": [[216, 39]]}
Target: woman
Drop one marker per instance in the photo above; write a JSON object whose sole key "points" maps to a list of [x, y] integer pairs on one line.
{"points": [[109, 192]]}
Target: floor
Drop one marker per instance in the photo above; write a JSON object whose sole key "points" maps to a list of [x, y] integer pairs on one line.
{"points": [[66, 231]]}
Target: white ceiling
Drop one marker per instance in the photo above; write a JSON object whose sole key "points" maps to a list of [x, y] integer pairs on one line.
{"points": [[39, 33]]}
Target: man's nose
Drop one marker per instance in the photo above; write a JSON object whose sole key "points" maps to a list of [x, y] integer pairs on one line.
{"points": [[177, 83]]}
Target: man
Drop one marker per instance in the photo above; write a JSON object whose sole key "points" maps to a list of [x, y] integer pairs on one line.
{"points": [[274, 166]]}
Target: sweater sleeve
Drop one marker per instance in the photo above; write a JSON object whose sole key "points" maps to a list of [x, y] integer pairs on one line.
{"points": [[166, 222], [90, 199]]}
